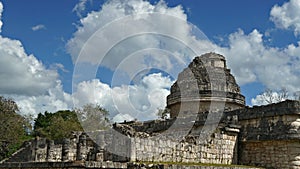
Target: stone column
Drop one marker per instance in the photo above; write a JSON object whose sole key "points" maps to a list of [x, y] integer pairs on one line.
{"points": [[234, 130], [100, 145], [65, 150], [50, 151], [82, 148]]}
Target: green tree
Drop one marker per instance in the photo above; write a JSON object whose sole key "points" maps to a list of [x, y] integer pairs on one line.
{"points": [[58, 125], [12, 130], [93, 117]]}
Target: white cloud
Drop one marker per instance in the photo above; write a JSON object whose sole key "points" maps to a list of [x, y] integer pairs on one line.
{"points": [[34, 88], [80, 7], [287, 16], [55, 99], [122, 117], [293, 50], [38, 27], [28, 82], [122, 27], [126, 102], [21, 73], [58, 66], [252, 61], [1, 10]]}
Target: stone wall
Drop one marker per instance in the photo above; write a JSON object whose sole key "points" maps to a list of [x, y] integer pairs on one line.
{"points": [[219, 148], [183, 139], [271, 122], [196, 106], [271, 154], [78, 148], [270, 135], [54, 152]]}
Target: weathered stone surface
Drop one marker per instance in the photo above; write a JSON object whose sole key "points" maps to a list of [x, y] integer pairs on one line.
{"points": [[205, 82]]}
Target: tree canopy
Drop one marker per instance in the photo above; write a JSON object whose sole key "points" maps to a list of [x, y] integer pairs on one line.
{"points": [[56, 126], [59, 125], [93, 117], [12, 128]]}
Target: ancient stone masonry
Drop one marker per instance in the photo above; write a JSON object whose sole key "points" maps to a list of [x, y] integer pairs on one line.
{"points": [[206, 84], [168, 146], [270, 135], [43, 150]]}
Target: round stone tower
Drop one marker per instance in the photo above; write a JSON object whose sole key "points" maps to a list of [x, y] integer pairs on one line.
{"points": [[205, 85]]}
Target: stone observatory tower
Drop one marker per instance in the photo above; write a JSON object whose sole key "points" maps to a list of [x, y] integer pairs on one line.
{"points": [[205, 85]]}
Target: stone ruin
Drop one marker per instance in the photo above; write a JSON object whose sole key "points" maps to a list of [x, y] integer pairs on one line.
{"points": [[205, 85], [219, 130]]}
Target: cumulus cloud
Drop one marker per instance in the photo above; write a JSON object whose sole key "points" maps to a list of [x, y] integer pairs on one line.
{"points": [[126, 102], [27, 81], [21, 73], [55, 99], [125, 27], [116, 9], [287, 16], [1, 10], [33, 87], [38, 27], [252, 61]]}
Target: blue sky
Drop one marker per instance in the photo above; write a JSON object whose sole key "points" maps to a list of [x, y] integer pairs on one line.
{"points": [[50, 31]]}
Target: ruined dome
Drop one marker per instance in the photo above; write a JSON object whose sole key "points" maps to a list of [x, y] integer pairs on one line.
{"points": [[206, 80]]}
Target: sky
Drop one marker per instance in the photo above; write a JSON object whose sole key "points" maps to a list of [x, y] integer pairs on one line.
{"points": [[125, 54]]}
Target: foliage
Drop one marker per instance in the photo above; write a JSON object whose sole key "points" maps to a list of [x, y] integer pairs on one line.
{"points": [[56, 126], [12, 128], [93, 117], [163, 113], [59, 125]]}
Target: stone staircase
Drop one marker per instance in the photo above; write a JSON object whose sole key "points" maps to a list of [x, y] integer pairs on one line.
{"points": [[21, 155]]}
